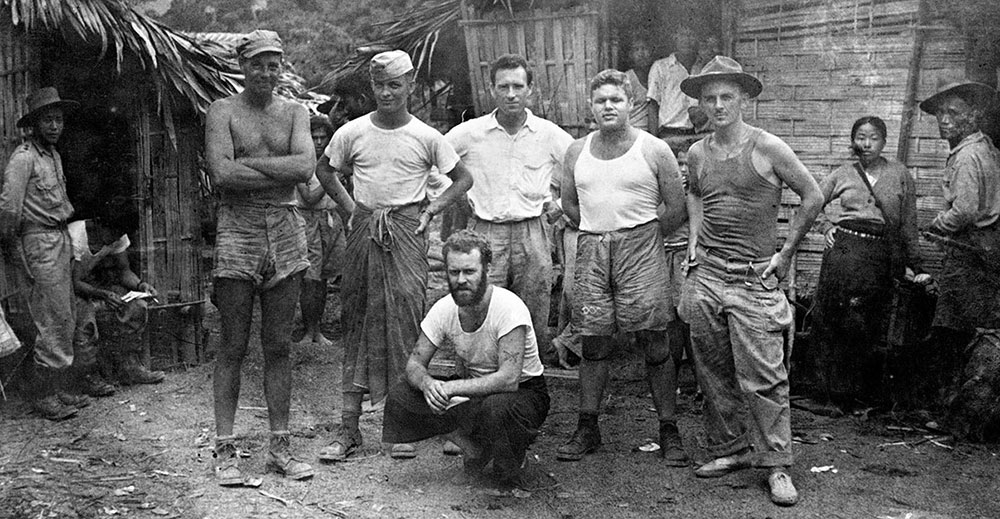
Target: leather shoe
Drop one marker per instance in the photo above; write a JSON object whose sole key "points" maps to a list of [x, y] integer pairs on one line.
{"points": [[783, 492], [584, 441]]}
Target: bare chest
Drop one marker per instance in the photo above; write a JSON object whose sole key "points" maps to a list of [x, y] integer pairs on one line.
{"points": [[261, 133]]}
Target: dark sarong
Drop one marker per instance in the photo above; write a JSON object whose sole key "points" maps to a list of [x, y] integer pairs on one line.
{"points": [[969, 293], [506, 423], [385, 280], [852, 303]]}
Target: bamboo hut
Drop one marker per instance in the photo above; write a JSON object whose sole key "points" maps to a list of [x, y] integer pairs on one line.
{"points": [[824, 63], [153, 85]]}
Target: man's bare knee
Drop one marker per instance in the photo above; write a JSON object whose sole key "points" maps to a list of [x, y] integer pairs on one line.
{"points": [[655, 347]]}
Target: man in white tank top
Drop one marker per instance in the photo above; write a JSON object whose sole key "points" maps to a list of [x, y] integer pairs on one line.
{"points": [[621, 187]]}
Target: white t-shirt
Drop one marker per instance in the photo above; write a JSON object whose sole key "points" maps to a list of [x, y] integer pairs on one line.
{"points": [[81, 243], [480, 350], [390, 167]]}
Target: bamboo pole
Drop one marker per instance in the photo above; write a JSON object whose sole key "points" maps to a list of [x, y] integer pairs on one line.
{"points": [[912, 84]]}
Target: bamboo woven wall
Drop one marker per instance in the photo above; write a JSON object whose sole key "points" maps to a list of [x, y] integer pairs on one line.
{"points": [[562, 47], [18, 70], [824, 63]]}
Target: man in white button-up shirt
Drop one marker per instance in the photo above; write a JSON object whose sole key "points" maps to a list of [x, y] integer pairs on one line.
{"points": [[513, 156]]}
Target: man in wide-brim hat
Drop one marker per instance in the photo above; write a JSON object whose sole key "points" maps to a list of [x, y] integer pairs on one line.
{"points": [[33, 212], [971, 190], [737, 313]]}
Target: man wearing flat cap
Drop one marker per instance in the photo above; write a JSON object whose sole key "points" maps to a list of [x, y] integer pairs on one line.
{"points": [[258, 148], [739, 316], [389, 154], [968, 284], [33, 212]]}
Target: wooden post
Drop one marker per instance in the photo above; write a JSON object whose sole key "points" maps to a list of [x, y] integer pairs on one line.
{"points": [[912, 84]]}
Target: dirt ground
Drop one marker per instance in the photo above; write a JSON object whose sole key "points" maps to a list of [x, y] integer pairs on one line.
{"points": [[146, 452]]}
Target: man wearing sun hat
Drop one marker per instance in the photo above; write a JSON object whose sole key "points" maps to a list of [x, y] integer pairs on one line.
{"points": [[33, 212], [389, 153], [258, 149], [968, 285], [739, 316]]}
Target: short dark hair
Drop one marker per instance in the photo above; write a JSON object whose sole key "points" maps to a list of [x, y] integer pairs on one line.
{"points": [[875, 121], [612, 77], [465, 241], [509, 62], [318, 122]]}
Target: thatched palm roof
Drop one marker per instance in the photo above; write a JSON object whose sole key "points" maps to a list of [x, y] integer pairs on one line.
{"points": [[416, 32], [112, 25]]}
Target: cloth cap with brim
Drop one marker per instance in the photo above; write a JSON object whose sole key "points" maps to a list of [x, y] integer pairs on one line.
{"points": [[258, 42], [389, 64], [978, 93], [721, 68], [42, 99]]}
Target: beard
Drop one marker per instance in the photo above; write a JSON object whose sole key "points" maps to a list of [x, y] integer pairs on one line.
{"points": [[470, 296]]}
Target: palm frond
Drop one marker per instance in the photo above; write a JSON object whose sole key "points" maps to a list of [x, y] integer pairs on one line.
{"points": [[197, 74]]}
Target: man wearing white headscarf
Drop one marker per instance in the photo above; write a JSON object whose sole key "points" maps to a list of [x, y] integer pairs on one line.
{"points": [[390, 154]]}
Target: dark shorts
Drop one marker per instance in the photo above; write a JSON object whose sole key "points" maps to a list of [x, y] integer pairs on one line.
{"points": [[621, 282], [262, 244]]}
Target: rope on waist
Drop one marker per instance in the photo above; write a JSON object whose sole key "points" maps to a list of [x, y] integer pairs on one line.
{"points": [[380, 230]]}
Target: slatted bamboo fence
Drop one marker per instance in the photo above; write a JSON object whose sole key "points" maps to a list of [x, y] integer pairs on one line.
{"points": [[824, 63]]}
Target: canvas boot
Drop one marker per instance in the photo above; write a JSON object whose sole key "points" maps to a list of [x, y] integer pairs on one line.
{"points": [[90, 382], [63, 379], [134, 372], [47, 403], [586, 439], [280, 459], [226, 462], [671, 445]]}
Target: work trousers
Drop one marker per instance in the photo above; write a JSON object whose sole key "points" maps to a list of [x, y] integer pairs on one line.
{"points": [[47, 256], [504, 423], [522, 264], [739, 325]]}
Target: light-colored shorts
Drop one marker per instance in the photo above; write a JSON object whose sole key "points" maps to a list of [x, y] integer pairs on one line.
{"points": [[326, 243], [264, 244], [621, 282]]}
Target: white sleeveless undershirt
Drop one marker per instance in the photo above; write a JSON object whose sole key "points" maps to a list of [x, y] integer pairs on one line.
{"points": [[616, 194]]}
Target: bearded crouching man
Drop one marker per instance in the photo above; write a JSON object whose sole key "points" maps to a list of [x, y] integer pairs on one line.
{"points": [[494, 406], [258, 148], [33, 212], [621, 186], [389, 154], [738, 315]]}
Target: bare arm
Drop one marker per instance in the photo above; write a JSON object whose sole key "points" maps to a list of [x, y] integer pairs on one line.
{"points": [[696, 212], [505, 378], [672, 212], [311, 192], [569, 195], [330, 181], [461, 181], [225, 171], [791, 171], [418, 377], [298, 165]]}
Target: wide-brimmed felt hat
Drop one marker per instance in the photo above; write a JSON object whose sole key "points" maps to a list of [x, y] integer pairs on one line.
{"points": [[41, 99], [721, 68], [979, 92]]}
